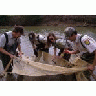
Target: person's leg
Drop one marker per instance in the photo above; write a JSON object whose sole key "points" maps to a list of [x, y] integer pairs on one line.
{"points": [[5, 60], [67, 56], [39, 56], [39, 52], [36, 52], [61, 51], [46, 50]]}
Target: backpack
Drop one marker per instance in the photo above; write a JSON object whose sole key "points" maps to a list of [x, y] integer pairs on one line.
{"points": [[81, 42], [5, 47], [6, 36]]}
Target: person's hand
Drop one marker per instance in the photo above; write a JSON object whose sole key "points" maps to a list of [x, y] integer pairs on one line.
{"points": [[20, 54], [12, 56], [90, 67], [67, 51]]}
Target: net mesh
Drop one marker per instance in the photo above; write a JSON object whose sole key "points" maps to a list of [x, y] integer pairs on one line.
{"points": [[45, 66]]}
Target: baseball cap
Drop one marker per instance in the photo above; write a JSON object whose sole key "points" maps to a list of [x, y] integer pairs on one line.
{"points": [[69, 31]]}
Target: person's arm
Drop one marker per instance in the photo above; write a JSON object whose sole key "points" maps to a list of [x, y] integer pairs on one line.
{"points": [[71, 52], [5, 52], [90, 45], [92, 67], [33, 44], [54, 51], [19, 49], [94, 62], [2, 44]]}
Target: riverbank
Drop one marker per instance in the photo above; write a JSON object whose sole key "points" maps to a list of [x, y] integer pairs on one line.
{"points": [[75, 24]]}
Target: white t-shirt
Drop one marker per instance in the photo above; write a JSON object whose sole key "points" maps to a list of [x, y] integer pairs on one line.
{"points": [[11, 40], [88, 42]]}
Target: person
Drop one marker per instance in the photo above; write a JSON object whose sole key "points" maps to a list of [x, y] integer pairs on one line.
{"points": [[65, 46], [9, 42], [57, 43], [41, 43], [82, 44], [38, 43], [45, 44], [51, 41]]}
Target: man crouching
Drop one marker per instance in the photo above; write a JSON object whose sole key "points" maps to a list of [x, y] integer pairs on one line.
{"points": [[9, 42]]}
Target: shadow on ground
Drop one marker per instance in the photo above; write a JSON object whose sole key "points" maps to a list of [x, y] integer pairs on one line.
{"points": [[59, 77]]}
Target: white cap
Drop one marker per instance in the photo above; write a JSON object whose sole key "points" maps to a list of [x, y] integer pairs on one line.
{"points": [[41, 37]]}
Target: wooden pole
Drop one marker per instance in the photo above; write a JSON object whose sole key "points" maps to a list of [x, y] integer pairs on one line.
{"points": [[93, 75], [7, 67]]}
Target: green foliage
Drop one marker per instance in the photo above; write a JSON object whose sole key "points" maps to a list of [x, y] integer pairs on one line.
{"points": [[25, 20], [32, 20]]}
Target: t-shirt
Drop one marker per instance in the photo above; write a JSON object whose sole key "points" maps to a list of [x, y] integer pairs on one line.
{"points": [[88, 42], [11, 40]]}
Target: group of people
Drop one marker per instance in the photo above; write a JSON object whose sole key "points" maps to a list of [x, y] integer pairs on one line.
{"points": [[82, 44], [41, 43]]}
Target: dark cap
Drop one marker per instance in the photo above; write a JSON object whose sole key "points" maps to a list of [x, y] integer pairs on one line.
{"points": [[69, 31]]}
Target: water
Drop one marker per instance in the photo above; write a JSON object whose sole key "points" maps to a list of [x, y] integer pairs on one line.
{"points": [[58, 31]]}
